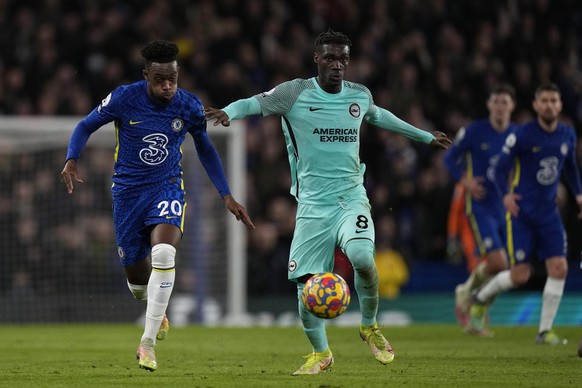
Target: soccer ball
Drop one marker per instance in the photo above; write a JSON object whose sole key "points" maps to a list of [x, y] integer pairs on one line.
{"points": [[326, 295]]}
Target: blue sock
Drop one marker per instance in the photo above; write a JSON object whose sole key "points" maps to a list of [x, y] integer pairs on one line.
{"points": [[313, 327]]}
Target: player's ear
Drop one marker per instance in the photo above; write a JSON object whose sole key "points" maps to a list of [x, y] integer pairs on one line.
{"points": [[145, 74], [315, 57]]}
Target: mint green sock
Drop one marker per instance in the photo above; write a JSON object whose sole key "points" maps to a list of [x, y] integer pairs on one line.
{"points": [[366, 284], [313, 327], [361, 254]]}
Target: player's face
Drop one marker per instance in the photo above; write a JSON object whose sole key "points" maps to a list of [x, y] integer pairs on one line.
{"points": [[500, 107], [162, 80], [332, 61], [548, 106]]}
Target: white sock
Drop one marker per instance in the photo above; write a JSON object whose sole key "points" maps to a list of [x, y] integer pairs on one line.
{"points": [[478, 277], [500, 283], [139, 291], [551, 298], [160, 288]]}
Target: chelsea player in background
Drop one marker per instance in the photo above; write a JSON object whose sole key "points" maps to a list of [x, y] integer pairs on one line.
{"points": [[151, 118], [321, 119], [469, 162], [536, 154]]}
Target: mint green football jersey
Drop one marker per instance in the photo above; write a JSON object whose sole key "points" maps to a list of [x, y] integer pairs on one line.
{"points": [[322, 134]]}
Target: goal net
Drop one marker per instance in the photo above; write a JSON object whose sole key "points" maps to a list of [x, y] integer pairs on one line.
{"points": [[58, 254]]}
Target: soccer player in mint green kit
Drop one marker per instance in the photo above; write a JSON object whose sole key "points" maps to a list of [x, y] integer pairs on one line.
{"points": [[321, 120]]}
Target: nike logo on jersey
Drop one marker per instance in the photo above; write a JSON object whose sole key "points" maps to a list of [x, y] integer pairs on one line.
{"points": [[535, 150], [312, 109], [170, 217], [358, 231], [485, 146], [131, 122]]}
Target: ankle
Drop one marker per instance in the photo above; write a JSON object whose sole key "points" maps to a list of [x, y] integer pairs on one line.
{"points": [[476, 300]]}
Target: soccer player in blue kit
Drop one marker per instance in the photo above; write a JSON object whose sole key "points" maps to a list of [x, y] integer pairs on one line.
{"points": [[152, 118], [469, 161], [535, 156], [321, 118]]}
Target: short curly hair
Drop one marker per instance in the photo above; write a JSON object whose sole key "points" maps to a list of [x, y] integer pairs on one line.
{"points": [[332, 37], [160, 51]]}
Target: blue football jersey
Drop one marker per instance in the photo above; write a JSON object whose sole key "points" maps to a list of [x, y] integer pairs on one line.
{"points": [[149, 136], [536, 159], [474, 152]]}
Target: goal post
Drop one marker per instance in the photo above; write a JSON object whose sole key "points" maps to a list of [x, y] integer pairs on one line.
{"points": [[236, 305], [59, 262]]}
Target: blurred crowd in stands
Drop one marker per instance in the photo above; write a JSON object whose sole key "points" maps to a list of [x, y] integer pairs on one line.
{"points": [[431, 62]]}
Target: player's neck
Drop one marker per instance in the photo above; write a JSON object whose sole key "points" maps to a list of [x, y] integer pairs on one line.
{"points": [[499, 125], [548, 126], [328, 88]]}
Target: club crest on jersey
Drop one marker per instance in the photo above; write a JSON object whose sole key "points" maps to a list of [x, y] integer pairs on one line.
{"points": [[292, 266], [564, 149], [354, 110], [120, 252], [177, 125]]}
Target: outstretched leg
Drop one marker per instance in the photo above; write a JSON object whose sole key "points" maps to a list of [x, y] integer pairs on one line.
{"points": [[360, 252], [495, 262], [164, 238], [503, 281], [314, 328], [557, 268]]}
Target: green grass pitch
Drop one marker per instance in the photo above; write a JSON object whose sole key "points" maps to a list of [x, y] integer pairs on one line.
{"points": [[426, 356]]}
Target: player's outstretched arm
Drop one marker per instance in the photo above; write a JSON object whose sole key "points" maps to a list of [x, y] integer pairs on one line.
{"points": [[218, 115], [238, 210], [69, 172], [383, 118], [441, 140], [233, 111]]}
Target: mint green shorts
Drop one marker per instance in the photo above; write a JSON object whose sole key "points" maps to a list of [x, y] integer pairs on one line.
{"points": [[320, 228]]}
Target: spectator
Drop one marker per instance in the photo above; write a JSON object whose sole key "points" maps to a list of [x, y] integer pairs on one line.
{"points": [[428, 61]]}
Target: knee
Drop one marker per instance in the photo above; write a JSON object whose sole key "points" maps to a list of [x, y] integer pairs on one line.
{"points": [[163, 256], [520, 274], [361, 254], [557, 268], [496, 262]]}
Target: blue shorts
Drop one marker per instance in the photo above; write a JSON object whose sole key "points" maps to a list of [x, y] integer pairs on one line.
{"points": [[320, 228], [135, 212], [541, 233], [489, 229]]}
